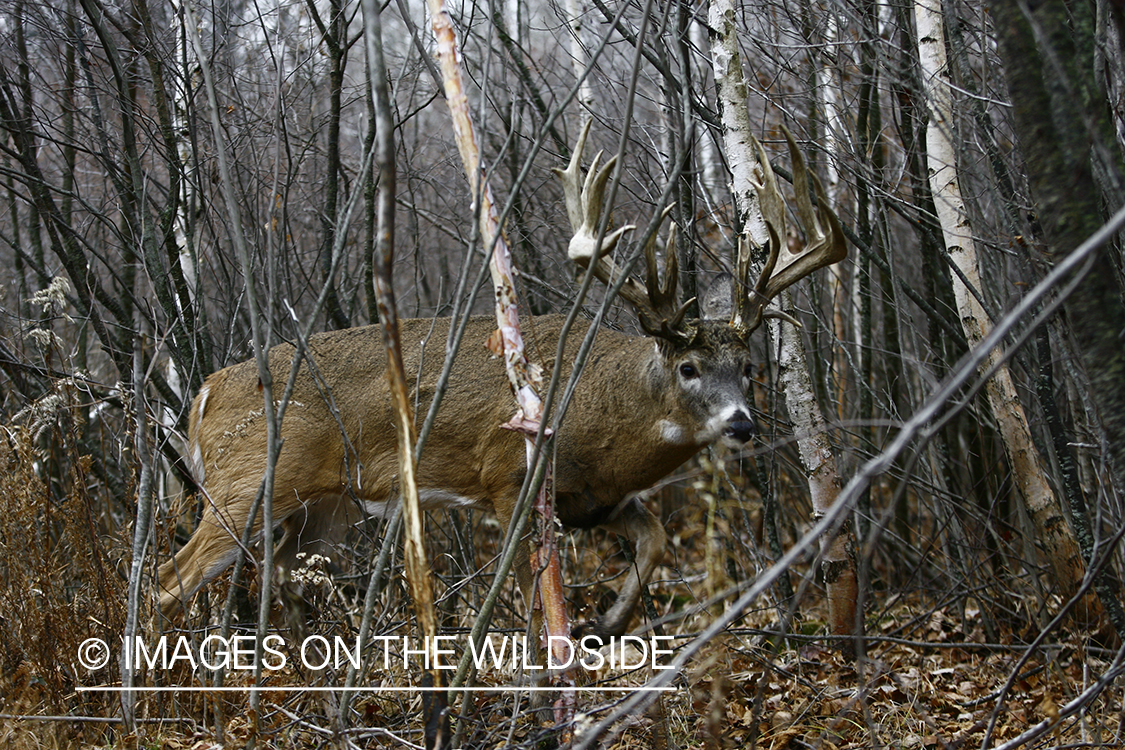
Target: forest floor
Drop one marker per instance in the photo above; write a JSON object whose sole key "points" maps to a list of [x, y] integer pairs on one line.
{"points": [[943, 692], [937, 670]]}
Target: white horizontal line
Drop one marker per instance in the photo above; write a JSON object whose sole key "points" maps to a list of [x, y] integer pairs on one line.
{"points": [[322, 689]]}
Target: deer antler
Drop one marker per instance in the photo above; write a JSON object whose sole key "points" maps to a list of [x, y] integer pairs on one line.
{"points": [[824, 240], [655, 303]]}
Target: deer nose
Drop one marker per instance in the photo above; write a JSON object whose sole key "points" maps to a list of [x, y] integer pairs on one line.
{"points": [[740, 427]]}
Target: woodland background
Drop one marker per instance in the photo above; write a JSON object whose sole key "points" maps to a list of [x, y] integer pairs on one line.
{"points": [[122, 291]]}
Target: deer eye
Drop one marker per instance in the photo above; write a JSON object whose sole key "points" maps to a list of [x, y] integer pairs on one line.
{"points": [[688, 371]]}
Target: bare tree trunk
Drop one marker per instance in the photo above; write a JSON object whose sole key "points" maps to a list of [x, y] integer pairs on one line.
{"points": [[335, 36], [732, 93], [576, 11], [837, 550], [435, 704], [142, 529], [1027, 468], [709, 177], [837, 561], [524, 377]]}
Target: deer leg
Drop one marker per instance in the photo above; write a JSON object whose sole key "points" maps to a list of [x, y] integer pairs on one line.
{"points": [[313, 529], [634, 522], [211, 549], [525, 578]]}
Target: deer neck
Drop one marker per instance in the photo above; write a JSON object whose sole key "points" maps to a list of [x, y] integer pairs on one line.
{"points": [[654, 434]]}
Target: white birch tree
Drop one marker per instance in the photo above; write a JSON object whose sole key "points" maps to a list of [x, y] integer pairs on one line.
{"points": [[1026, 465], [818, 460]]}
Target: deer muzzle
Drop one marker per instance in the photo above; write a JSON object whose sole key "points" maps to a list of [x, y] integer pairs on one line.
{"points": [[739, 428]]}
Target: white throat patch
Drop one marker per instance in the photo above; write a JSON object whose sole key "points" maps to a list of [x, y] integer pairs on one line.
{"points": [[671, 432]]}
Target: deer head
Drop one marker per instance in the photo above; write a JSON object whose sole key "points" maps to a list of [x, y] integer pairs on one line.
{"points": [[728, 317]]}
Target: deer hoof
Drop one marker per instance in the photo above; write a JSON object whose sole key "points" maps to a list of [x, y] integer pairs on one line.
{"points": [[591, 634]]}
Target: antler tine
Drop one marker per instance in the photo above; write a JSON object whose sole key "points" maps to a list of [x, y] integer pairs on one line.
{"points": [[769, 194], [668, 317], [752, 298], [824, 243], [824, 238], [584, 203], [571, 181], [801, 188], [584, 209], [662, 294], [655, 305]]}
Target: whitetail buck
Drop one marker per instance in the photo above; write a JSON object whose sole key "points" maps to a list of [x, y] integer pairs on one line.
{"points": [[643, 406]]}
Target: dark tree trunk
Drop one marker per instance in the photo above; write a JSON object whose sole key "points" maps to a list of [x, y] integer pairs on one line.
{"points": [[1059, 135]]}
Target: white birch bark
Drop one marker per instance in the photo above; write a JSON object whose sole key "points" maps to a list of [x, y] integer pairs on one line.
{"points": [[826, 93], [731, 83], [837, 561], [512, 18], [576, 11], [809, 424], [180, 105], [1026, 465], [707, 160], [830, 107], [170, 485]]}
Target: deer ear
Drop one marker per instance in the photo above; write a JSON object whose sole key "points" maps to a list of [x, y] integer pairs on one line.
{"points": [[715, 303]]}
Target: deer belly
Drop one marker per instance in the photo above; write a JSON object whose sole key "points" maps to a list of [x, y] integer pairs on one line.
{"points": [[429, 499]]}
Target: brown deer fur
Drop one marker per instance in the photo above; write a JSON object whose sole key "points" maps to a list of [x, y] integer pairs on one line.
{"points": [[634, 419]]}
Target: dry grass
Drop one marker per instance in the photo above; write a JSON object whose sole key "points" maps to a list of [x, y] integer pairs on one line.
{"points": [[931, 676], [59, 583]]}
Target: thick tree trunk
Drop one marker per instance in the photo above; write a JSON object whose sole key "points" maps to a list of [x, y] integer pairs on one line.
{"points": [[837, 550], [731, 84], [1058, 137], [1027, 467], [838, 564]]}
